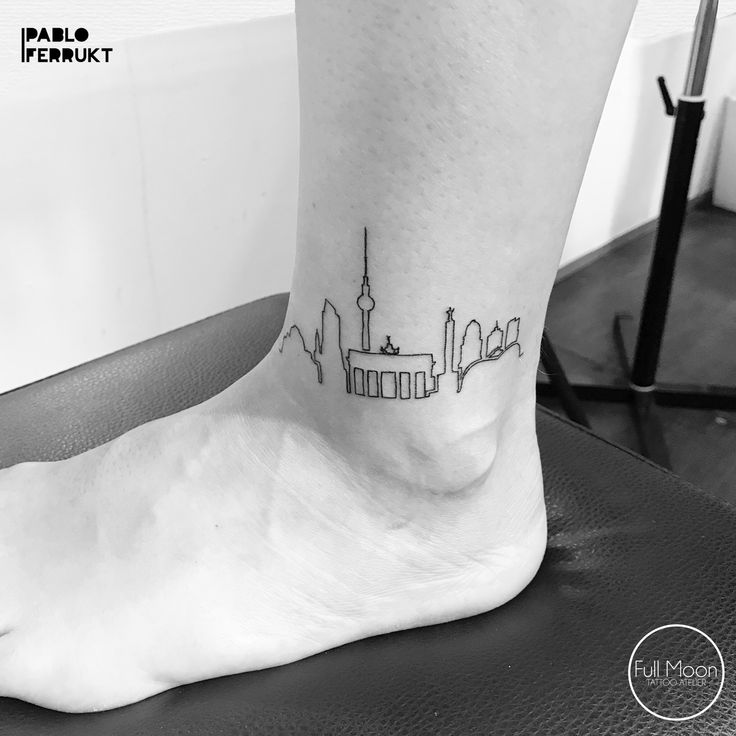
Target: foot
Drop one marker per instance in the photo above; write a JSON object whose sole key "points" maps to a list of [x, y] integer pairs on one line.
{"points": [[265, 525]]}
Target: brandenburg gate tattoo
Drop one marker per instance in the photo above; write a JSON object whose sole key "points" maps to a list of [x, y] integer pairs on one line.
{"points": [[387, 373]]}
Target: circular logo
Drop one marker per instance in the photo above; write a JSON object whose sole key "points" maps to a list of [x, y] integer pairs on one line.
{"points": [[676, 672]]}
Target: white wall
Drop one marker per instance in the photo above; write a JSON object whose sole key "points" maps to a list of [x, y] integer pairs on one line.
{"points": [[623, 182], [141, 195], [112, 21]]}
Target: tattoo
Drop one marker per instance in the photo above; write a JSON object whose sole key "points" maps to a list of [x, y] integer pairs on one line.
{"points": [[388, 373]]}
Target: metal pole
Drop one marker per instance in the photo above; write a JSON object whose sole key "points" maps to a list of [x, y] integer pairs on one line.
{"points": [[689, 113], [705, 25]]}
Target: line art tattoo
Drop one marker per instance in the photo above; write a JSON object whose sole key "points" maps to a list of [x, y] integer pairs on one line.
{"points": [[388, 373]]}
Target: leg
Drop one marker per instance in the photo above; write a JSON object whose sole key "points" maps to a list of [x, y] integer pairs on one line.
{"points": [[342, 488]]}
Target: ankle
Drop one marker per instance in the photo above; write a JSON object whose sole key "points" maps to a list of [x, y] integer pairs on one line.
{"points": [[443, 445]]}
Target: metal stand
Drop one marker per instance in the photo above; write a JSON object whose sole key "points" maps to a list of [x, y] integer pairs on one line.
{"points": [[561, 386], [642, 391]]}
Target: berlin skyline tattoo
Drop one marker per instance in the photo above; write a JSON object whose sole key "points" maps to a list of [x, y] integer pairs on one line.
{"points": [[388, 373]]}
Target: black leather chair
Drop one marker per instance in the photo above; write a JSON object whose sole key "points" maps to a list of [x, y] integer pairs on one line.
{"points": [[631, 547]]}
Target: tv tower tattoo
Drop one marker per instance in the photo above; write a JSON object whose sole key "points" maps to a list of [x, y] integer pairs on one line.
{"points": [[388, 373], [365, 303]]}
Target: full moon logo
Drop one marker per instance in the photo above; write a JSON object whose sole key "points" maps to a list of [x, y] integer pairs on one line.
{"points": [[676, 672]]}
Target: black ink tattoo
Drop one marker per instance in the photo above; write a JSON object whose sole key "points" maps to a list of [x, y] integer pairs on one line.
{"points": [[389, 373]]}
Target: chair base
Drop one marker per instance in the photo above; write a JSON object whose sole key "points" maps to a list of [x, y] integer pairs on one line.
{"points": [[644, 404]]}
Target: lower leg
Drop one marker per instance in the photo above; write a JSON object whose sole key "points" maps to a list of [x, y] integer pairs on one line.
{"points": [[457, 134], [305, 506], [443, 148]]}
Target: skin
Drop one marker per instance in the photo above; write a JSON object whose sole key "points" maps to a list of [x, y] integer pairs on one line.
{"points": [[287, 516]]}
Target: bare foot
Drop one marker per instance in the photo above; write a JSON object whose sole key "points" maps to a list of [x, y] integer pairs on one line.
{"points": [[265, 525]]}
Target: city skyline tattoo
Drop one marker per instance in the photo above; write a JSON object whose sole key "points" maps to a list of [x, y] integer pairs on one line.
{"points": [[388, 373]]}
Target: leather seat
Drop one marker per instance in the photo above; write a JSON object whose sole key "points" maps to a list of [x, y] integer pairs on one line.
{"points": [[631, 547]]}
